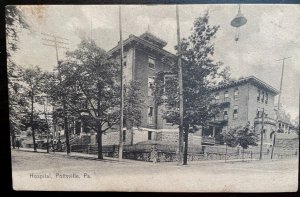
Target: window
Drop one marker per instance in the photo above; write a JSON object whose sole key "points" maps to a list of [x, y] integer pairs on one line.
{"points": [[149, 135], [259, 113], [217, 96], [226, 96], [258, 95], [124, 135], [236, 94], [263, 97], [150, 115], [267, 98], [150, 86], [168, 121], [225, 113], [235, 112], [151, 63]]}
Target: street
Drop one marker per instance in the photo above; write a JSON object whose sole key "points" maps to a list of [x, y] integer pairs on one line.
{"points": [[41, 171]]}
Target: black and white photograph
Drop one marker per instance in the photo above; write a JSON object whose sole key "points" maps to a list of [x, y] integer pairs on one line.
{"points": [[154, 98]]}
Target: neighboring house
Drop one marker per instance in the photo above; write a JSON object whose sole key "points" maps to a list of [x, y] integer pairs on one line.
{"points": [[286, 127], [243, 101]]}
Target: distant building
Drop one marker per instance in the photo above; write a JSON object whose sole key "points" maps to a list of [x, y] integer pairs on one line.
{"points": [[240, 102]]}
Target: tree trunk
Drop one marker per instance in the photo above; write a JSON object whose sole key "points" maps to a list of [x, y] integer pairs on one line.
{"points": [[32, 124], [45, 112], [66, 127], [99, 125], [13, 138], [129, 126], [66, 132], [243, 153], [186, 140], [99, 141], [131, 136]]}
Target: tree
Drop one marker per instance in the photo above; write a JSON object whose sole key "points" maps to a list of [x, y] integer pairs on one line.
{"points": [[230, 137], [244, 136], [90, 76], [199, 74], [133, 103], [34, 78], [18, 105], [15, 21]]}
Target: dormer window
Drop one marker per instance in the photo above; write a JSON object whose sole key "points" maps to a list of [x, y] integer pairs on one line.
{"points": [[151, 63]]}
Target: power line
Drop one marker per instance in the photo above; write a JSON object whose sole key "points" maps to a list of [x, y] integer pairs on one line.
{"points": [[278, 106], [54, 41], [122, 89], [57, 43]]}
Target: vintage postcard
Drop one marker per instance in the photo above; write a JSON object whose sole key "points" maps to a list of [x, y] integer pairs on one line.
{"points": [[160, 98]]}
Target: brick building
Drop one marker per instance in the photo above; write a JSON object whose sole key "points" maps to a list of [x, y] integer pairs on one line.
{"points": [[243, 101], [142, 60]]}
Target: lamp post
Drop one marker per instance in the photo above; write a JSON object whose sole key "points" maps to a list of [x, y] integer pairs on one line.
{"points": [[225, 151], [262, 133]]}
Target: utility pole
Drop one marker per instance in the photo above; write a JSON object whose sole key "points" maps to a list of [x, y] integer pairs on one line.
{"points": [[57, 42], [122, 96], [278, 106], [262, 133], [180, 152]]}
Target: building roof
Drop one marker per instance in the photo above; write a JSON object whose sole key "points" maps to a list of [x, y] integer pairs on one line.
{"points": [[152, 42], [250, 79], [153, 39]]}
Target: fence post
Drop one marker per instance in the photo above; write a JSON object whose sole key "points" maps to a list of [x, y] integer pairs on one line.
{"points": [[154, 154], [116, 151], [251, 154], [204, 151]]}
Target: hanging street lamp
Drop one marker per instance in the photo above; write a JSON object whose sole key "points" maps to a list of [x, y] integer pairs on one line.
{"points": [[237, 22]]}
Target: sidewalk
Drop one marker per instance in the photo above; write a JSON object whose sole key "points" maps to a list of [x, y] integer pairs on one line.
{"points": [[84, 156], [116, 160]]}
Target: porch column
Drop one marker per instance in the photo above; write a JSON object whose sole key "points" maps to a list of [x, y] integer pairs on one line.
{"points": [[214, 131]]}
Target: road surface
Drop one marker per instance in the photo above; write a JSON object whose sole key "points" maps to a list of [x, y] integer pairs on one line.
{"points": [[41, 171]]}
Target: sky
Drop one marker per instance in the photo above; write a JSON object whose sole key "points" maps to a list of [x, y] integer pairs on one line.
{"points": [[272, 32]]}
